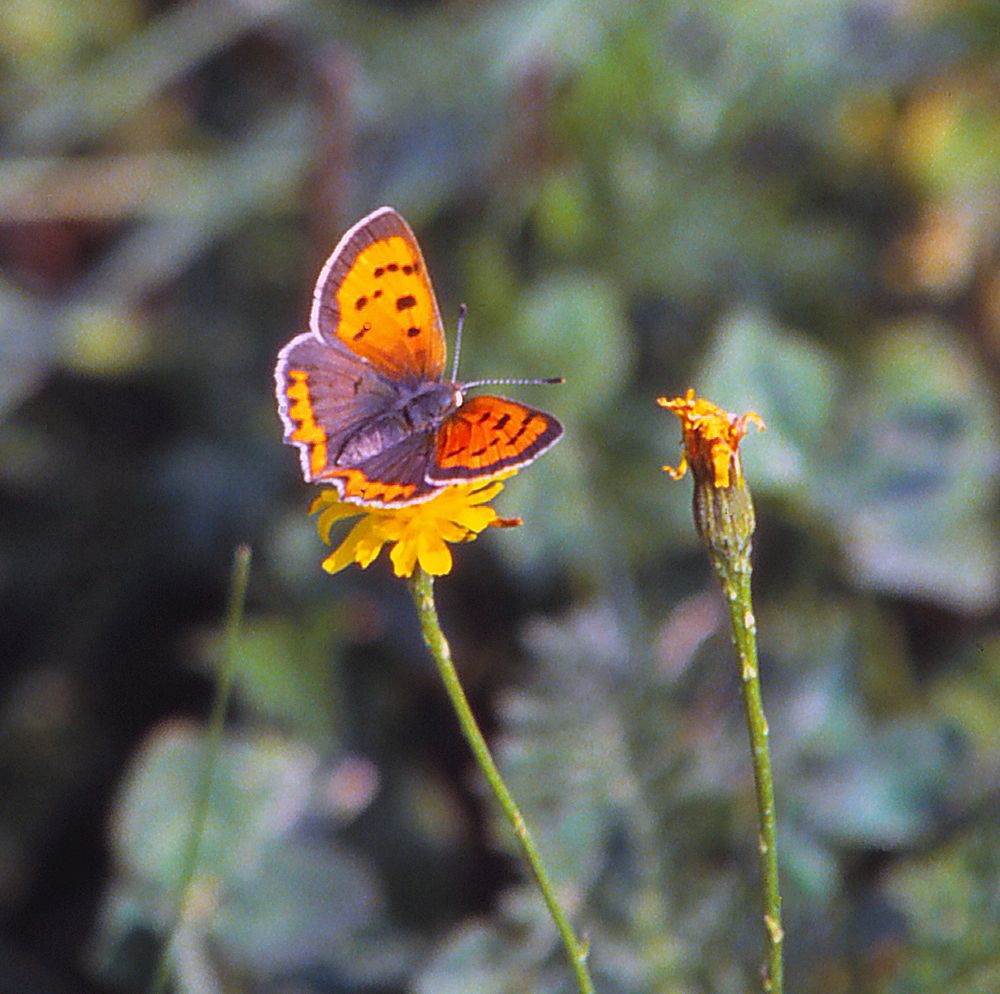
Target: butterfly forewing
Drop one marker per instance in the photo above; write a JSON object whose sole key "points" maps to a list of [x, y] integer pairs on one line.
{"points": [[375, 296], [488, 435]]}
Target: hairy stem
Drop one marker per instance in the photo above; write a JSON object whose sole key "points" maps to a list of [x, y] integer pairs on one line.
{"points": [[421, 587], [736, 586]]}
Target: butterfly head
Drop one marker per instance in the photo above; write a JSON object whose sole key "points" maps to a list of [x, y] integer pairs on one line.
{"points": [[431, 403]]}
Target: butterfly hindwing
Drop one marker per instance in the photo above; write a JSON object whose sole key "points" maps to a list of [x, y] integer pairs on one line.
{"points": [[374, 296], [393, 477], [488, 435], [325, 395]]}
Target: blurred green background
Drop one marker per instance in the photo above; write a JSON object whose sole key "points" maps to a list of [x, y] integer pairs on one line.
{"points": [[792, 206]]}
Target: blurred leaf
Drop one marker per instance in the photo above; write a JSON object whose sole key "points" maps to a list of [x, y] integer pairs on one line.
{"points": [[882, 788], [565, 215], [261, 787], [555, 531], [28, 345], [914, 496], [286, 672], [968, 698], [477, 958], [249, 177], [907, 474], [790, 383], [491, 282], [571, 326], [105, 340], [295, 904], [807, 863], [571, 818], [277, 899], [566, 756], [859, 779], [133, 72], [948, 139], [951, 902], [42, 38]]}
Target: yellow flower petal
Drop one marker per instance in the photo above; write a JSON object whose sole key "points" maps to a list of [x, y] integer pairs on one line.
{"points": [[404, 556], [434, 554], [452, 531], [360, 536], [416, 533], [367, 548], [329, 516], [722, 505], [485, 491], [475, 519]]}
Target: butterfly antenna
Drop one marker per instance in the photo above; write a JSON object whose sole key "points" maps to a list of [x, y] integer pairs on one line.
{"points": [[506, 383], [462, 311]]}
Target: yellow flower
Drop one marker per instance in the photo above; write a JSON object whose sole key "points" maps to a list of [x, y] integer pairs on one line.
{"points": [[418, 533], [711, 439], [723, 508]]}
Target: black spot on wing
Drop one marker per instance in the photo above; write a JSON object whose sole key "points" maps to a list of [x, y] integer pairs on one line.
{"points": [[525, 421]]}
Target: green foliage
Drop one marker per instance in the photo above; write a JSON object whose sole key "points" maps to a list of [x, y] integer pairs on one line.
{"points": [[948, 898], [753, 365], [789, 207], [284, 674], [268, 894]]}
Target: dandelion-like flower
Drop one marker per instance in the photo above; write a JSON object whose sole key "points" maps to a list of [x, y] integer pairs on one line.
{"points": [[723, 509], [418, 533], [711, 439]]}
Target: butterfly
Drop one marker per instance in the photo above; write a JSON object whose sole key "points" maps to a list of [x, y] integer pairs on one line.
{"points": [[362, 393]]}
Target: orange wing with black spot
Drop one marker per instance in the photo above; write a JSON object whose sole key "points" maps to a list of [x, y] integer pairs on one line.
{"points": [[488, 435], [374, 296]]}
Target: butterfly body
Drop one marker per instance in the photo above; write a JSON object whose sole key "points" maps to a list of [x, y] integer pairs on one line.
{"points": [[418, 409], [362, 395]]}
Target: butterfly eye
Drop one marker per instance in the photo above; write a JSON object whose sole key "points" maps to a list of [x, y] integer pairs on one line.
{"points": [[457, 397]]}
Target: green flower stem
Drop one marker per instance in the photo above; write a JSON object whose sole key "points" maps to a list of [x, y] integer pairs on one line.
{"points": [[735, 576], [210, 757], [422, 589]]}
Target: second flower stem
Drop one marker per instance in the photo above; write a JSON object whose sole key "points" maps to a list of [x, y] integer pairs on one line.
{"points": [[421, 587], [736, 585]]}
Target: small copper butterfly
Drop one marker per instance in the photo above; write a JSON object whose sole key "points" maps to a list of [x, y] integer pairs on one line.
{"points": [[362, 395]]}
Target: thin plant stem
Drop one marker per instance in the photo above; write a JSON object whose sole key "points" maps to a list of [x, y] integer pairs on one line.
{"points": [[422, 589], [736, 586], [210, 757]]}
